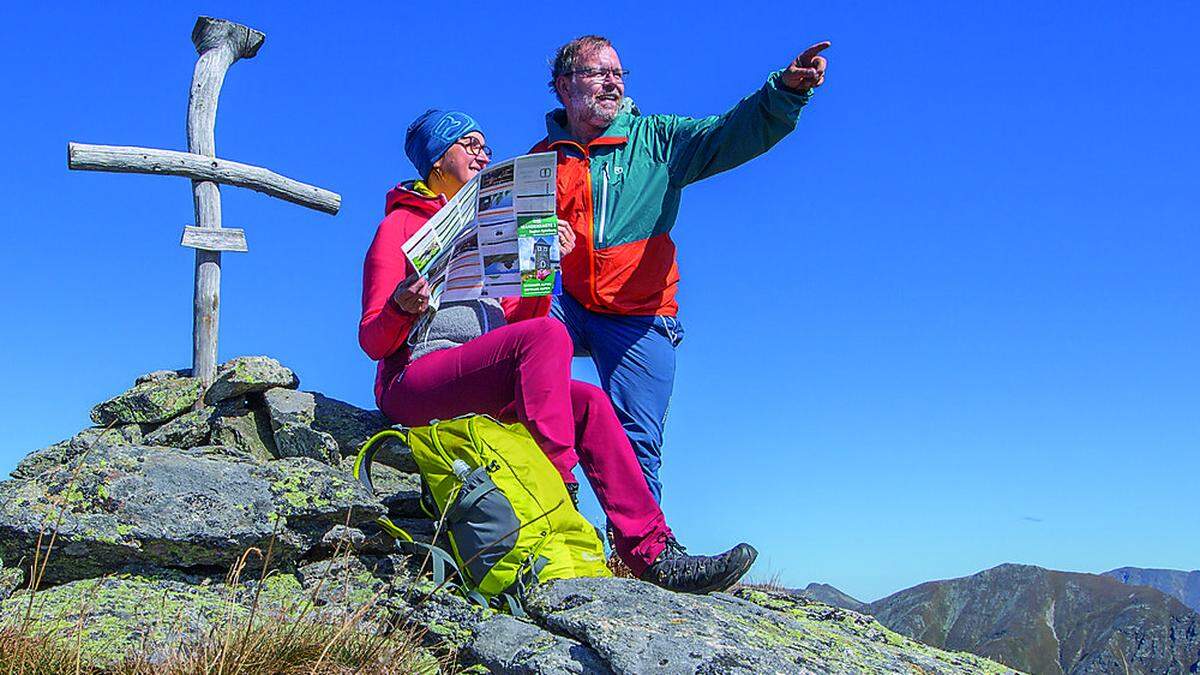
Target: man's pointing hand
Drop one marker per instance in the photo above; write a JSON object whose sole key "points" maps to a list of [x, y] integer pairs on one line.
{"points": [[808, 70]]}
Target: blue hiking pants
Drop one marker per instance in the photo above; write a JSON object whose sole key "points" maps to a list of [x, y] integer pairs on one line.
{"points": [[635, 357]]}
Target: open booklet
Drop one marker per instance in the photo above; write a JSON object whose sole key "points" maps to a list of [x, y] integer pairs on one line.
{"points": [[498, 237]]}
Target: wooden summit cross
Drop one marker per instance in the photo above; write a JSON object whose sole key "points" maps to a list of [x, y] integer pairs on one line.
{"points": [[219, 43]]}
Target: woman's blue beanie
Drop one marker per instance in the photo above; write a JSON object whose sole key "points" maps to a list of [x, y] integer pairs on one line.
{"points": [[431, 134]]}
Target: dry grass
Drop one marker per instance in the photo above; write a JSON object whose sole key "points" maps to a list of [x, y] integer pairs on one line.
{"points": [[281, 648], [289, 641], [269, 648], [771, 583], [24, 649], [286, 641], [618, 568]]}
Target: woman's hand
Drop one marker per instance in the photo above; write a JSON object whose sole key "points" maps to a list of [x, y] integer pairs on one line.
{"points": [[566, 237], [412, 297]]}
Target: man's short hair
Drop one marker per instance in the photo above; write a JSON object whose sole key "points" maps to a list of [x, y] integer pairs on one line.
{"points": [[568, 55]]}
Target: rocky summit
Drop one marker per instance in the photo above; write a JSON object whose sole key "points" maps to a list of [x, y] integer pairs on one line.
{"points": [[189, 511]]}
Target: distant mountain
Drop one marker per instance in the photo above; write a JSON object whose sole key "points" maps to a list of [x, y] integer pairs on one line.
{"points": [[1183, 586], [1050, 623], [832, 596]]}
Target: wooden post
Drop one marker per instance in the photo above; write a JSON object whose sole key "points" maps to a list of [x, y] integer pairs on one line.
{"points": [[219, 43]]}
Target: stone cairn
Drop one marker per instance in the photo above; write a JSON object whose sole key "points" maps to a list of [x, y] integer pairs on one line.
{"points": [[129, 529]]}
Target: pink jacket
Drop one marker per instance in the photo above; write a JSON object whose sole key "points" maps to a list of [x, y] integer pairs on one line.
{"points": [[384, 327]]}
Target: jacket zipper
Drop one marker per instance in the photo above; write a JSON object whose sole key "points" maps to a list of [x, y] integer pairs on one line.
{"points": [[603, 204], [593, 244]]}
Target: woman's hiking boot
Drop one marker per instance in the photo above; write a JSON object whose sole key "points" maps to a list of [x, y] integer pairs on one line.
{"points": [[675, 570]]}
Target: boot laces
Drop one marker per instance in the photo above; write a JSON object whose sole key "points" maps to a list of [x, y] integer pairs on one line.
{"points": [[673, 549], [683, 569]]}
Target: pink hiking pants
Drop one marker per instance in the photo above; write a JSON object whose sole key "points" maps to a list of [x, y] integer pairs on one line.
{"points": [[522, 372]]}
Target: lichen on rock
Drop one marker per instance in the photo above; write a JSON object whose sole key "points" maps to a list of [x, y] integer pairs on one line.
{"points": [[58, 454], [639, 628], [151, 402], [11, 578], [175, 508], [185, 431], [247, 429], [113, 616], [249, 374]]}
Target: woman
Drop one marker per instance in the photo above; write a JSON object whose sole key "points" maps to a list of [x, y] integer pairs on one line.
{"points": [[508, 359]]}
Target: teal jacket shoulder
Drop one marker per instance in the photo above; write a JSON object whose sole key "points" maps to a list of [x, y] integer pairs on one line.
{"points": [[695, 148]]}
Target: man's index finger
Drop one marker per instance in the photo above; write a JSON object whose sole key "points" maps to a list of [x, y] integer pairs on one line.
{"points": [[814, 50]]}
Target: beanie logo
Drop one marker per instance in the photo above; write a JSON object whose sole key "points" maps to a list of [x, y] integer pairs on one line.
{"points": [[448, 128]]}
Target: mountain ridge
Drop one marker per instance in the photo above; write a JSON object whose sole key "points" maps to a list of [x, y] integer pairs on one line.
{"points": [[1047, 621], [1184, 586]]}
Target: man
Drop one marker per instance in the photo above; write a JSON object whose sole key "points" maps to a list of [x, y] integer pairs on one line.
{"points": [[620, 176]]}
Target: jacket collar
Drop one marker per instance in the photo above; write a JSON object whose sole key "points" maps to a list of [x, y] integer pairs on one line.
{"points": [[415, 196], [617, 133]]}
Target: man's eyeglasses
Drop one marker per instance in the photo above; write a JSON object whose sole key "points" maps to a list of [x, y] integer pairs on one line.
{"points": [[598, 74], [474, 148]]}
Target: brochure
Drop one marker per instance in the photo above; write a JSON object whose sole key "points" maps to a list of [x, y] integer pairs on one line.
{"points": [[498, 237]]}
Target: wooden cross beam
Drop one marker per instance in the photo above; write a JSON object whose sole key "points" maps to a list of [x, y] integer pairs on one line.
{"points": [[219, 43]]}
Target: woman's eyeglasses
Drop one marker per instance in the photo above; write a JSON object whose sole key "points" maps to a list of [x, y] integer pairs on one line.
{"points": [[474, 147]]}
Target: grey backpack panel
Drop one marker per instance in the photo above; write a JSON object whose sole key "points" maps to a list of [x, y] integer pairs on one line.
{"points": [[482, 524]]}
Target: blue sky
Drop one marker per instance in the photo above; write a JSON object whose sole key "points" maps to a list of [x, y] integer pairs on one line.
{"points": [[950, 322]]}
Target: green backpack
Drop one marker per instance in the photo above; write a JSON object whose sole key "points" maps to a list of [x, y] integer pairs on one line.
{"points": [[500, 501]]}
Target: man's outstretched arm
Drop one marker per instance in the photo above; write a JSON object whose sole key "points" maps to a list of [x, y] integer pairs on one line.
{"points": [[703, 147]]}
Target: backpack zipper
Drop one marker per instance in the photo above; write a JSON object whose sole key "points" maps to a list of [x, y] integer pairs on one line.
{"points": [[603, 203]]}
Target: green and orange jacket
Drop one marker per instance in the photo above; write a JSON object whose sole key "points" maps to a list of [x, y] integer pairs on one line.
{"points": [[620, 193]]}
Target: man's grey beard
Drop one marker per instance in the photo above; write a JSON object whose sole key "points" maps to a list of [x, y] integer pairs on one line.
{"points": [[593, 106]]}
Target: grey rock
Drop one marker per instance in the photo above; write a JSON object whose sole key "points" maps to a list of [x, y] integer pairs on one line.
{"points": [[149, 402], [376, 540], [348, 584], [11, 578], [639, 628], [60, 453], [160, 375], [189, 430], [340, 536], [446, 619], [400, 492], [351, 426], [353, 579], [224, 451], [394, 453], [292, 440], [175, 508], [292, 414], [288, 406], [41, 460], [509, 646], [249, 374], [245, 429]]}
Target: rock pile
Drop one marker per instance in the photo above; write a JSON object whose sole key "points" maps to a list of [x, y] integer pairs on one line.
{"points": [[134, 525]]}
